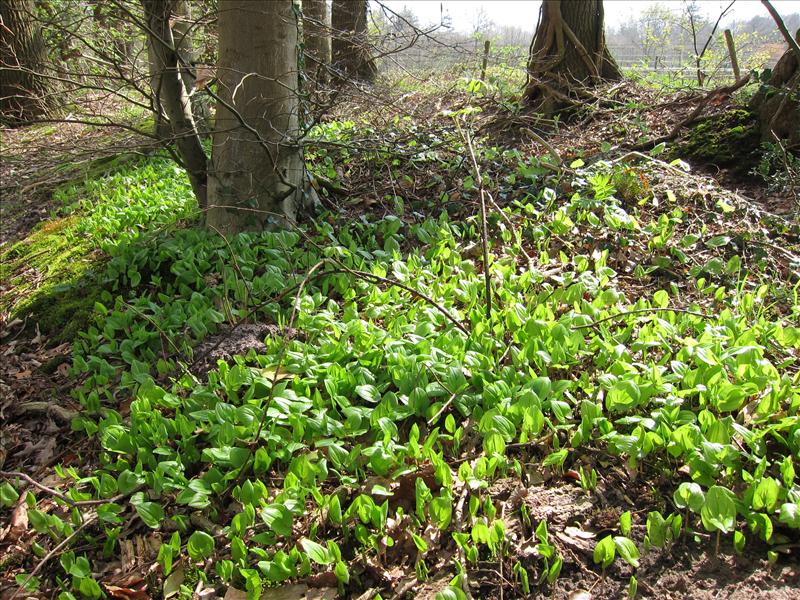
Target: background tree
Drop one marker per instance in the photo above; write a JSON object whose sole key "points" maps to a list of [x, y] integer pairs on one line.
{"points": [[257, 165], [317, 39], [25, 90], [171, 93], [350, 51], [568, 48]]}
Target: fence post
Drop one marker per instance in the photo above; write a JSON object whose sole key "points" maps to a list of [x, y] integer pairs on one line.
{"points": [[732, 54], [486, 45]]}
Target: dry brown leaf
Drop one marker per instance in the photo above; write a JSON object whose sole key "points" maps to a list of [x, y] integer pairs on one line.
{"points": [[125, 593], [19, 520], [286, 592]]}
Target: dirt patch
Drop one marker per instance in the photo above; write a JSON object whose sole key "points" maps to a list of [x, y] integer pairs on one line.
{"points": [[35, 404], [235, 341]]}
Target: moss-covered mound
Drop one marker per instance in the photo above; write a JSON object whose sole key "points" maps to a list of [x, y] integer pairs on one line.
{"points": [[725, 139]]}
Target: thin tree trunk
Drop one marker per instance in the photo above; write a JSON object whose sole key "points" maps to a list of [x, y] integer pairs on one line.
{"points": [[317, 40], [351, 54], [257, 173], [25, 93], [172, 95], [184, 40], [568, 49]]}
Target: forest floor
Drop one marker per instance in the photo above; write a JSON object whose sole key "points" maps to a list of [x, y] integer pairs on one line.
{"points": [[329, 411]]}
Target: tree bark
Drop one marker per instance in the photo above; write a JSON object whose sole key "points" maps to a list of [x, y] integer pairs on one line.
{"points": [[184, 41], [171, 93], [257, 166], [350, 51], [25, 93], [776, 104], [568, 50], [317, 40]]}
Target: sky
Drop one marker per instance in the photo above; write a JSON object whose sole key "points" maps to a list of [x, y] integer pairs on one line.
{"points": [[524, 13]]}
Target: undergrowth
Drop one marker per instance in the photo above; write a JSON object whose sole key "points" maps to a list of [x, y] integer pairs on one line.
{"points": [[373, 435], [55, 274]]}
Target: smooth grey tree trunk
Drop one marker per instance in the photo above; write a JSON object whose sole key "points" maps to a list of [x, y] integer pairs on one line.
{"points": [[256, 178], [317, 40], [350, 51]]}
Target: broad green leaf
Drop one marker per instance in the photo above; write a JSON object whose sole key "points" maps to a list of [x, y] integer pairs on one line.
{"points": [[604, 551], [316, 552], [200, 545], [790, 515], [719, 510], [278, 518], [627, 550]]}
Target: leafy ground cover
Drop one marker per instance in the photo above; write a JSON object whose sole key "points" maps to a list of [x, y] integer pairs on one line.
{"points": [[344, 408]]}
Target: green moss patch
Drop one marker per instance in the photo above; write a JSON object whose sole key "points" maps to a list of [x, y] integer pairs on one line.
{"points": [[725, 139]]}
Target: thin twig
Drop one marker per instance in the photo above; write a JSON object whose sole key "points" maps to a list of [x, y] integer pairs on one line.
{"points": [[36, 484], [90, 519], [484, 229]]}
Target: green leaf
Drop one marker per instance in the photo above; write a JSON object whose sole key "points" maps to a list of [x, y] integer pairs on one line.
{"points": [[152, 513], [278, 518], [766, 495], [718, 241], [689, 495], [8, 495], [625, 523], [316, 552], [200, 545], [719, 511], [790, 515], [604, 552], [627, 550], [421, 545], [556, 458]]}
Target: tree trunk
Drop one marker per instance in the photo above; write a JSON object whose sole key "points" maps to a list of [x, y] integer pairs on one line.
{"points": [[568, 50], [180, 23], [25, 94], [317, 40], [257, 166], [184, 41], [352, 58], [172, 95], [776, 104]]}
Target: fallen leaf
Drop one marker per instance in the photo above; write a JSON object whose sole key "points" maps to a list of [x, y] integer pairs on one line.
{"points": [[19, 520], [172, 584], [125, 593]]}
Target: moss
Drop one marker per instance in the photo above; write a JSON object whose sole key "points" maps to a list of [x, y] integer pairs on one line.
{"points": [[726, 139], [51, 280]]}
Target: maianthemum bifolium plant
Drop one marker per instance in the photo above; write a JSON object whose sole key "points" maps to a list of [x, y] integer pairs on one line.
{"points": [[295, 457]]}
